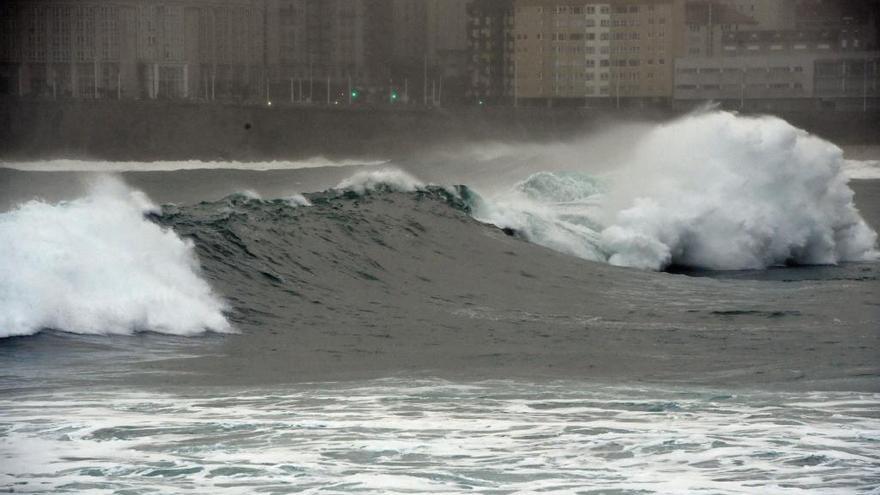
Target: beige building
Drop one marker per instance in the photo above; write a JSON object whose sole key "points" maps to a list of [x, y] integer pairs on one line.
{"points": [[646, 36], [561, 51], [587, 49], [133, 49]]}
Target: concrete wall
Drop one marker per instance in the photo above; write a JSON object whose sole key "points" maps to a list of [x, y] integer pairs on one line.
{"points": [[143, 131]]}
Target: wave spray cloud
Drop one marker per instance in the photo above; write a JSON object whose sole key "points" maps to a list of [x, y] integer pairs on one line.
{"points": [[97, 266], [712, 191]]}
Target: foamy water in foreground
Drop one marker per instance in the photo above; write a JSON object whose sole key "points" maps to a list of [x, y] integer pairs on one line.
{"points": [[434, 436]]}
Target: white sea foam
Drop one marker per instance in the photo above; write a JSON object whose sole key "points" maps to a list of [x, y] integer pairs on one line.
{"points": [[65, 165], [431, 436], [721, 191], [97, 266], [297, 199], [393, 179], [713, 190], [862, 169]]}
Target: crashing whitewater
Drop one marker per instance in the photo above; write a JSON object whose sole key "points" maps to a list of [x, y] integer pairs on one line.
{"points": [[709, 191]]}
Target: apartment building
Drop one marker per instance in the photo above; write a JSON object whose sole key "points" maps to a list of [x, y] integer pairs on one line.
{"points": [[133, 49], [646, 37], [64, 49], [782, 81], [447, 39], [819, 53], [707, 23], [490, 51], [561, 51], [186, 49], [430, 47]]}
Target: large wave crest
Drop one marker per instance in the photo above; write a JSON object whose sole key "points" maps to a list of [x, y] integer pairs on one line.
{"points": [[97, 266], [713, 190]]}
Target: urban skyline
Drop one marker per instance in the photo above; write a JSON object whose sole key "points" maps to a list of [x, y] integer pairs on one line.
{"points": [[433, 52]]}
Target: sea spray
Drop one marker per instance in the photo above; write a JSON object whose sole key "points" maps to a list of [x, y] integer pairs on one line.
{"points": [[712, 190], [721, 191], [387, 178], [97, 266]]}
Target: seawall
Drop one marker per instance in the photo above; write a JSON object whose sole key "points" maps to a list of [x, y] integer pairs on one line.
{"points": [[142, 131]]}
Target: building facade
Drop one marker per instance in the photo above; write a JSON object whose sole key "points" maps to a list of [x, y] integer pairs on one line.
{"points": [[237, 50], [646, 37], [562, 52], [848, 80], [793, 54], [490, 51], [133, 49]]}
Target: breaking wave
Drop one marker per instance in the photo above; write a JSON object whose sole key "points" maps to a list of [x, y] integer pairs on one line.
{"points": [[714, 191], [862, 169], [710, 191], [97, 266]]}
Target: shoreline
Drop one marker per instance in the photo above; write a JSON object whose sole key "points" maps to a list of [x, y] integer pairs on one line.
{"points": [[149, 130]]}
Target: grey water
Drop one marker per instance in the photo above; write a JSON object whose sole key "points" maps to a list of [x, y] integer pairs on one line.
{"points": [[434, 436], [390, 342]]}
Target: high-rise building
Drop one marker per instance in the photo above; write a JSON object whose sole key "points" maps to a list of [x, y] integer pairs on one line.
{"points": [[490, 51], [793, 54], [562, 52], [447, 39], [646, 36], [708, 22], [206, 49], [134, 49], [582, 50]]}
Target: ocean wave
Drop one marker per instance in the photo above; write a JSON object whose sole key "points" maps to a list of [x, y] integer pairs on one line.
{"points": [[713, 191], [97, 266], [65, 165], [862, 169], [388, 179]]}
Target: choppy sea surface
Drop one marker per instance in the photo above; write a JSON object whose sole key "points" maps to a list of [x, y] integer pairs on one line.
{"points": [[360, 327], [421, 436]]}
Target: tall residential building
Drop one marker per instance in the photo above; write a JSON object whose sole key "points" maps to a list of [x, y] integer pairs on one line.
{"points": [[646, 37], [430, 48], [708, 22], [447, 36], [84, 49], [133, 48], [562, 52], [490, 51], [766, 15], [820, 52], [579, 50], [206, 49]]}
